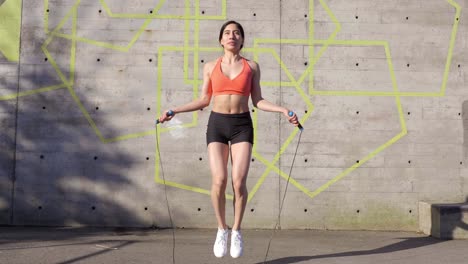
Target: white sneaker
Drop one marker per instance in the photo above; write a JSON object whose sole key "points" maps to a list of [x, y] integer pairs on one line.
{"points": [[236, 244], [220, 245]]}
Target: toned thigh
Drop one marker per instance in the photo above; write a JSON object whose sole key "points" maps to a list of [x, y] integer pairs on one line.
{"points": [[241, 153], [218, 154]]}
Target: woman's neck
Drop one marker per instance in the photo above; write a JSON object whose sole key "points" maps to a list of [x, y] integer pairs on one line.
{"points": [[230, 57]]}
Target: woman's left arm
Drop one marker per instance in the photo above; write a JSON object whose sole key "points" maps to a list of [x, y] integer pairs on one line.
{"points": [[262, 104]]}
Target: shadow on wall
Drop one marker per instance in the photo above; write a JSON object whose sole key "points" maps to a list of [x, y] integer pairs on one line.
{"points": [[55, 171]]}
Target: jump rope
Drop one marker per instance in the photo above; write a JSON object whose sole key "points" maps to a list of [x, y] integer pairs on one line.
{"points": [[285, 190], [165, 188], [170, 113]]}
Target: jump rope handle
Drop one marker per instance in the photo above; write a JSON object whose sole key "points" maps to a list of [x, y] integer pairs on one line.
{"points": [[291, 113], [170, 113]]}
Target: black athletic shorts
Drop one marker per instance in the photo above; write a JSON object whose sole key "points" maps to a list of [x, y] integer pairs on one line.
{"points": [[227, 128]]}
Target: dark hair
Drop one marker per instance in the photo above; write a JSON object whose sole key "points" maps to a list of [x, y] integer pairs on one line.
{"points": [[239, 26]]}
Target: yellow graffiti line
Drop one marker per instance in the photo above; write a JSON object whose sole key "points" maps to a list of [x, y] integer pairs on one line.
{"points": [[395, 87], [67, 83], [311, 23], [452, 44], [262, 178], [319, 55], [71, 90], [10, 28], [31, 92], [73, 48], [182, 186], [316, 57], [186, 41], [54, 65], [196, 36], [286, 143], [51, 60], [188, 187], [46, 16], [356, 165], [271, 167]]}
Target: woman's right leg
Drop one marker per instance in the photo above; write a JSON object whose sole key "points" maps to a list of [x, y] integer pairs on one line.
{"points": [[218, 154]]}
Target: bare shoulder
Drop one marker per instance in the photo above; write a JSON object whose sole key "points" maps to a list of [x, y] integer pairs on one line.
{"points": [[253, 65], [209, 66]]}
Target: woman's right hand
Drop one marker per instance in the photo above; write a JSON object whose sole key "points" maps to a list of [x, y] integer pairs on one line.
{"points": [[166, 116]]}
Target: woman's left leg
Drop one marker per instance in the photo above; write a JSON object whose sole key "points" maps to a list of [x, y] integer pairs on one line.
{"points": [[240, 157]]}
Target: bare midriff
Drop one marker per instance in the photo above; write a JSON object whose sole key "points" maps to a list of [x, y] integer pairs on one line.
{"points": [[230, 104]]}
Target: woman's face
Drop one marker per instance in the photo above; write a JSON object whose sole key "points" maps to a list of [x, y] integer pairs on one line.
{"points": [[232, 39]]}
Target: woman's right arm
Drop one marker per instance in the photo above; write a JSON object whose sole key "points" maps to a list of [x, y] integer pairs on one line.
{"points": [[197, 104]]}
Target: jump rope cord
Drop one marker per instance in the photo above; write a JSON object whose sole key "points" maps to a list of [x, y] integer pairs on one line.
{"points": [[282, 201], [165, 194]]}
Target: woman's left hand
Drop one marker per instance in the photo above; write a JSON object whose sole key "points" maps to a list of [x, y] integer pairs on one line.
{"points": [[292, 119]]}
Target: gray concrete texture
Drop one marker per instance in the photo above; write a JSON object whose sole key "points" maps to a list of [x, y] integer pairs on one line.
{"points": [[380, 87], [20, 245]]}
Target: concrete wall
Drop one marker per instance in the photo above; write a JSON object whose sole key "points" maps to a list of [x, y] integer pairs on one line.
{"points": [[380, 86]]}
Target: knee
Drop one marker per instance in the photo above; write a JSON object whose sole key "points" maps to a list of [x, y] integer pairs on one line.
{"points": [[219, 184], [240, 187]]}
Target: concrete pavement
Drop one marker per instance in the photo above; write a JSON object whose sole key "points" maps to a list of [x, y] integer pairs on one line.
{"points": [[19, 245]]}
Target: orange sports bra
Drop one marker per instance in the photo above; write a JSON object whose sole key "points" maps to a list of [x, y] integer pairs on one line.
{"points": [[240, 85]]}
